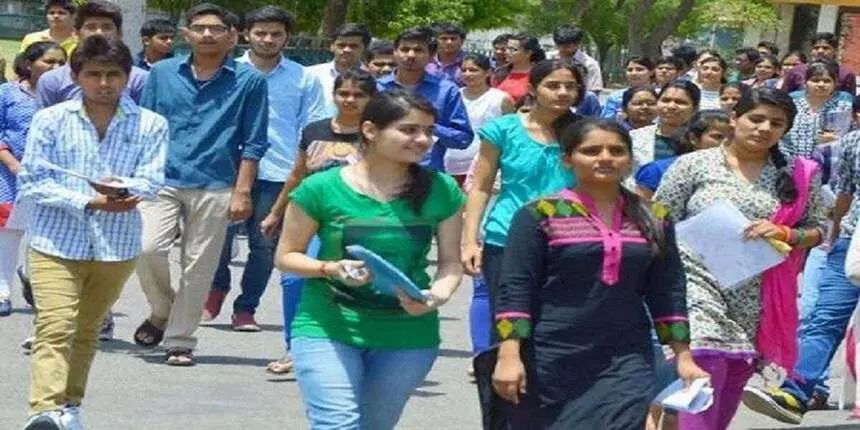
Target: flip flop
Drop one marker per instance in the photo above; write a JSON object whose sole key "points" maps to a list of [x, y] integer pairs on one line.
{"points": [[280, 366], [147, 331], [180, 357]]}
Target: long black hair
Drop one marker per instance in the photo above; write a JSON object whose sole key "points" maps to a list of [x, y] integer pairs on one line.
{"points": [[543, 69], [575, 134], [786, 191], [528, 43], [34, 52], [388, 107]]}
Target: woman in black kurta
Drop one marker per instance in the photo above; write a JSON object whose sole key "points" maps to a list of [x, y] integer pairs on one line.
{"points": [[576, 271]]}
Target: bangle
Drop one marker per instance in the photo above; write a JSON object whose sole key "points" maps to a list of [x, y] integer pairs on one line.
{"points": [[801, 236], [322, 272]]}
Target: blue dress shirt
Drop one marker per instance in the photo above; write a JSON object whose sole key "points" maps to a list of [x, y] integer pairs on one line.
{"points": [[295, 100], [213, 124]]}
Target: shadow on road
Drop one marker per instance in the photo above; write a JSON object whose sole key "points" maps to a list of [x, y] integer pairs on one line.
{"points": [[456, 353], [221, 360], [228, 327]]}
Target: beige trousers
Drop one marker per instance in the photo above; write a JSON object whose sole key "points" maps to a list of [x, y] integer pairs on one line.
{"points": [[203, 216], [72, 297]]}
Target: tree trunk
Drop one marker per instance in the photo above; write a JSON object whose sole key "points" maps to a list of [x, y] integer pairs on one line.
{"points": [[334, 15], [640, 40], [602, 54]]}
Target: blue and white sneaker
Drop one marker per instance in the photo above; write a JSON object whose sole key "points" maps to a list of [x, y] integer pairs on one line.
{"points": [[44, 421], [71, 418], [106, 330]]}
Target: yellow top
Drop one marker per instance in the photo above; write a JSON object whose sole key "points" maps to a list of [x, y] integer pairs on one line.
{"points": [[68, 45]]}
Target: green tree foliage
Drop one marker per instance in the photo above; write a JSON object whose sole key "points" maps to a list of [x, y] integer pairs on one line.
{"points": [[384, 17], [643, 25]]}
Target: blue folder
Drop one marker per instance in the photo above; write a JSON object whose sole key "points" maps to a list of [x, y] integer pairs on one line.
{"points": [[386, 277]]}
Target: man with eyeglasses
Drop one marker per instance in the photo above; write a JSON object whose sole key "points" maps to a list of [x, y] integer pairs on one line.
{"points": [[217, 110]]}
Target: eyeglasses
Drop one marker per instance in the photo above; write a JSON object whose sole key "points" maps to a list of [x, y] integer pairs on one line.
{"points": [[215, 30]]}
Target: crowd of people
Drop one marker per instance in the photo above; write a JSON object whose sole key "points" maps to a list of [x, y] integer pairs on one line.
{"points": [[560, 208]]}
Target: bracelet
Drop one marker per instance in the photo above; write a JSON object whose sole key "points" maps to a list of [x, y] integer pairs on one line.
{"points": [[322, 272], [792, 237], [801, 236]]}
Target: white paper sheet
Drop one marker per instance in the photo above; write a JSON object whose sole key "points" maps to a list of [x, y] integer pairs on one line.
{"points": [[696, 398], [116, 182], [716, 236]]}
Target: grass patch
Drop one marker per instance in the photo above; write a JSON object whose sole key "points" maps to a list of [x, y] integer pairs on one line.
{"points": [[8, 50]]}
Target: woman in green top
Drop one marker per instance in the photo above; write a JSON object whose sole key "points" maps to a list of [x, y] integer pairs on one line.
{"points": [[359, 353]]}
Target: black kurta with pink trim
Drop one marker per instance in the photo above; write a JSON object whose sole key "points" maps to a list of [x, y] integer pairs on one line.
{"points": [[576, 287]]}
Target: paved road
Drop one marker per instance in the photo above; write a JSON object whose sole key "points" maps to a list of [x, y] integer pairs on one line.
{"points": [[228, 389]]}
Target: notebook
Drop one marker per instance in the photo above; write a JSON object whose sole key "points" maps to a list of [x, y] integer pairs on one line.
{"points": [[387, 279]]}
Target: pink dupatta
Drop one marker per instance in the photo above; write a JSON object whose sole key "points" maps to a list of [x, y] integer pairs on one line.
{"points": [[776, 339]]}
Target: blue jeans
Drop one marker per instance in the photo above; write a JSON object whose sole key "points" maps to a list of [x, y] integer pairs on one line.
{"points": [[292, 286], [349, 388], [826, 324], [261, 256], [812, 271], [480, 319]]}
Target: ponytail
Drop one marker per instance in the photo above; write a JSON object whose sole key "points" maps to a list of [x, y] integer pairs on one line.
{"points": [[786, 192], [648, 225], [417, 187]]}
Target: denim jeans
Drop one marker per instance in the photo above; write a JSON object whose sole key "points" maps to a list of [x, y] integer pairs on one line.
{"points": [[812, 270], [480, 320], [261, 256], [826, 324], [292, 286], [349, 388]]}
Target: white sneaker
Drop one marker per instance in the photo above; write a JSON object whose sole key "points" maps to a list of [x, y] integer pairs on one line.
{"points": [[71, 418], [44, 421]]}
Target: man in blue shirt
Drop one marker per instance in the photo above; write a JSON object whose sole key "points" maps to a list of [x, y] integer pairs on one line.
{"points": [[452, 129], [84, 236], [217, 109], [295, 99], [93, 17]]}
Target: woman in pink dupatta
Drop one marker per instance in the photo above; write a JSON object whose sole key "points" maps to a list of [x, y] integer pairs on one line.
{"points": [[782, 199]]}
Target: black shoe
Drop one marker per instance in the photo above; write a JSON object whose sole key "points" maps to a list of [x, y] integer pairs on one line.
{"points": [[26, 287], [819, 402]]}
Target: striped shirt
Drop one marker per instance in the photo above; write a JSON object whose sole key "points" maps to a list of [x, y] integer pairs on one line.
{"points": [[134, 147]]}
